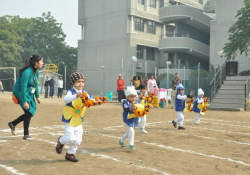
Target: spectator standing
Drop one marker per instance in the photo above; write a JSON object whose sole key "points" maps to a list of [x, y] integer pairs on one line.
{"points": [[46, 86], [137, 80], [120, 88], [51, 88], [60, 87], [174, 85], [145, 81], [1, 87], [157, 82]]}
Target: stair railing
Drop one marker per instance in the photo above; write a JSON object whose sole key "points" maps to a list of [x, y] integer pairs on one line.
{"points": [[246, 91], [217, 81]]}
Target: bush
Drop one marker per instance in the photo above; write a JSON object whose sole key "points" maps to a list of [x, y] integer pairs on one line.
{"points": [[244, 73]]}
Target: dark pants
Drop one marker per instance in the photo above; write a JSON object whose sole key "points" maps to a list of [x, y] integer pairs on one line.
{"points": [[121, 95], [60, 92], [26, 117], [46, 91], [51, 89]]}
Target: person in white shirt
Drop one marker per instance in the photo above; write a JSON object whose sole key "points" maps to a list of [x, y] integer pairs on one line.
{"points": [[60, 87]]}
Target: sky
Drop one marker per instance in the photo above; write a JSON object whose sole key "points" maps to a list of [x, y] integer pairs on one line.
{"points": [[64, 11]]}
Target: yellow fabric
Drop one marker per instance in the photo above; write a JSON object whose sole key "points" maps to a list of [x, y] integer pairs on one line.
{"points": [[202, 113], [140, 107], [156, 102], [185, 109], [75, 114], [143, 102], [201, 105]]}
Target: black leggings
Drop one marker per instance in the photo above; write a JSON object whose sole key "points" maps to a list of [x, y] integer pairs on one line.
{"points": [[26, 117]]}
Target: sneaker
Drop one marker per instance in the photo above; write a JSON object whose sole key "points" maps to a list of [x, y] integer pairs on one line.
{"points": [[131, 147], [197, 123], [119, 103], [59, 147], [12, 128], [28, 137], [121, 144], [143, 131], [174, 123], [71, 157], [181, 128]]}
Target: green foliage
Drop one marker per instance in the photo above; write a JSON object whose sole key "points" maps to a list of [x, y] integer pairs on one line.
{"points": [[244, 73], [239, 37], [22, 37]]}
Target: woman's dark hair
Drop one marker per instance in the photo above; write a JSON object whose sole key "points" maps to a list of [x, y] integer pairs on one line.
{"points": [[151, 75], [142, 86], [30, 62]]}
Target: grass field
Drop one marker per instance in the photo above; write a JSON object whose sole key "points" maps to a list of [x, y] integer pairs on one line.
{"points": [[220, 145]]}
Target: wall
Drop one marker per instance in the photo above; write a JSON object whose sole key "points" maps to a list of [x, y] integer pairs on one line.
{"points": [[219, 32]]}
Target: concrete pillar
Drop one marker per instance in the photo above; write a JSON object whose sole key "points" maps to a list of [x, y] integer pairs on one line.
{"points": [[175, 61], [164, 31], [82, 32], [132, 24]]}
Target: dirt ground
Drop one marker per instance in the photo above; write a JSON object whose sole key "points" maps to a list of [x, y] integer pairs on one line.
{"points": [[220, 145]]}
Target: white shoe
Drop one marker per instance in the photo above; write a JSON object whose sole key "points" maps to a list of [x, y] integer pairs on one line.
{"points": [[28, 137], [143, 131], [119, 103], [196, 123]]}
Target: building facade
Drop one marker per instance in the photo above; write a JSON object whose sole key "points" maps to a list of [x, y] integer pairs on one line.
{"points": [[155, 31]]}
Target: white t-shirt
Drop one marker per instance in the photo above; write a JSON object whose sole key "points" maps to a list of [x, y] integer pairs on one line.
{"points": [[60, 84]]}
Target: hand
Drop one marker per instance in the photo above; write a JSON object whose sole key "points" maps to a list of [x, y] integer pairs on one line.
{"points": [[105, 101], [174, 85], [189, 96], [38, 100], [134, 107], [26, 105], [79, 94]]}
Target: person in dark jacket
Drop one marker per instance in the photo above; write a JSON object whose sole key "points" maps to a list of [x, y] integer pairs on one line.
{"points": [[46, 87], [51, 84]]}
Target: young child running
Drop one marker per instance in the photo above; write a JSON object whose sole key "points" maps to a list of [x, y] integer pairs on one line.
{"points": [[73, 134], [129, 123], [180, 106], [142, 91], [199, 100]]}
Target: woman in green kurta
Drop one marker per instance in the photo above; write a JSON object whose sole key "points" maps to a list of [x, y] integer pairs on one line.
{"points": [[25, 90]]}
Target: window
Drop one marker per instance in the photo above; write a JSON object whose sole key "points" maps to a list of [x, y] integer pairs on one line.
{"points": [[139, 52], [162, 3], [169, 31], [150, 53], [141, 2], [151, 27], [139, 24], [152, 3]]}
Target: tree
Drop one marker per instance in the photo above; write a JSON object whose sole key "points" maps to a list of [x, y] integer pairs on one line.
{"points": [[239, 39]]}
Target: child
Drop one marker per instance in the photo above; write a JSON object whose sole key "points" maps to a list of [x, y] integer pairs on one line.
{"points": [[129, 123], [179, 106], [142, 91], [73, 135], [198, 100]]}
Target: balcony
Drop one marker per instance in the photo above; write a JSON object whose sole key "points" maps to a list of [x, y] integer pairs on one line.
{"points": [[187, 44], [172, 13]]}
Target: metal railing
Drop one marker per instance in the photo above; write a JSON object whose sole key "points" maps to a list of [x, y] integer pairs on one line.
{"points": [[217, 81], [246, 91], [181, 35], [190, 5]]}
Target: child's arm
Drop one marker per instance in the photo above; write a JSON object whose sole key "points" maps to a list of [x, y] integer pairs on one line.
{"points": [[181, 97], [199, 100], [69, 97]]}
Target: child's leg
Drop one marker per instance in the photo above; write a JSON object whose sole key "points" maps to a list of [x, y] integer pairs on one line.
{"points": [[197, 120], [125, 136], [180, 118], [143, 121], [69, 136], [78, 131], [131, 135]]}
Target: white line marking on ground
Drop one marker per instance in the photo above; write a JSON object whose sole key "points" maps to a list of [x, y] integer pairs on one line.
{"points": [[181, 150], [11, 169], [211, 138], [224, 121], [111, 158]]}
